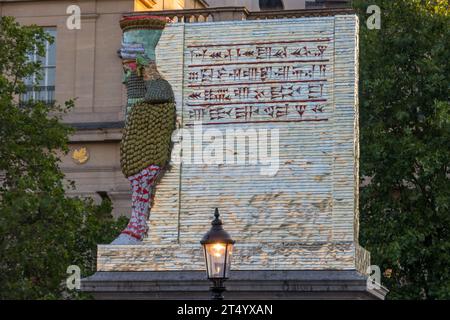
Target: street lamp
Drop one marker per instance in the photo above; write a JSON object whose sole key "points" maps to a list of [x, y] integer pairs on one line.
{"points": [[217, 247]]}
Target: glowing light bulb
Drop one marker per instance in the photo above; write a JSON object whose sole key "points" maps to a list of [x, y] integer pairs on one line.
{"points": [[218, 249]]}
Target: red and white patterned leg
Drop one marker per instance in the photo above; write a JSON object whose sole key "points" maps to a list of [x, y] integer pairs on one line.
{"points": [[141, 184]]}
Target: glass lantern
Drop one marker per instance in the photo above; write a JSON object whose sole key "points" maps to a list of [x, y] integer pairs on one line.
{"points": [[218, 250]]}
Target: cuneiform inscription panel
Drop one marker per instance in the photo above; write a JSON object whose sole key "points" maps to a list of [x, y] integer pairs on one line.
{"points": [[258, 81]]}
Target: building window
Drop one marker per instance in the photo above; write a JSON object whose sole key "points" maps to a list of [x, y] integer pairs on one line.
{"points": [[271, 5], [43, 89]]}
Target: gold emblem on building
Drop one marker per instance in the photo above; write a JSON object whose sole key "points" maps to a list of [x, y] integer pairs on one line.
{"points": [[80, 155]]}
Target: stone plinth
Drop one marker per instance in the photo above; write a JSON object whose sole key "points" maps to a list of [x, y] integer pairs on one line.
{"points": [[287, 85]]}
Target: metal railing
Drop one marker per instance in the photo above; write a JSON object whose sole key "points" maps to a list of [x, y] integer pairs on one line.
{"points": [[239, 13], [44, 94]]}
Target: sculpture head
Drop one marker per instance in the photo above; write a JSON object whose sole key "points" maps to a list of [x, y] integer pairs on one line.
{"points": [[140, 37]]}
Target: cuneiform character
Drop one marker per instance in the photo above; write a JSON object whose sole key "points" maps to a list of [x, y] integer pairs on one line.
{"points": [[241, 92], [217, 113], [301, 72], [245, 112], [218, 95], [315, 91], [196, 113], [263, 52], [301, 52], [281, 92], [321, 50], [300, 108], [277, 111], [206, 74]]}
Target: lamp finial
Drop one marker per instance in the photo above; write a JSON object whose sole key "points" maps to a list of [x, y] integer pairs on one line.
{"points": [[216, 220]]}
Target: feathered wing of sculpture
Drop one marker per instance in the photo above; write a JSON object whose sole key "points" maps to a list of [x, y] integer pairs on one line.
{"points": [[150, 120]]}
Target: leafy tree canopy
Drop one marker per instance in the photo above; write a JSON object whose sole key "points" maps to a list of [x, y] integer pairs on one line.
{"points": [[405, 145], [42, 231]]}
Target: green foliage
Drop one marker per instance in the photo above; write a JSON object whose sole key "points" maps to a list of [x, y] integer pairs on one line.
{"points": [[405, 145], [42, 231]]}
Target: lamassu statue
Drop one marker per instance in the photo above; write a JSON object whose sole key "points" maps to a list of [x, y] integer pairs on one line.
{"points": [[150, 119]]}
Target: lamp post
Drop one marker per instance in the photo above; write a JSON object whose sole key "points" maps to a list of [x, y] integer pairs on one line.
{"points": [[217, 247]]}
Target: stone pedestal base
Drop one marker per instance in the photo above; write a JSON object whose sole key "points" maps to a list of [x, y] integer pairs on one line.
{"points": [[261, 284]]}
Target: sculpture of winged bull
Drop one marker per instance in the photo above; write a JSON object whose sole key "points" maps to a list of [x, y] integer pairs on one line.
{"points": [[150, 120]]}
